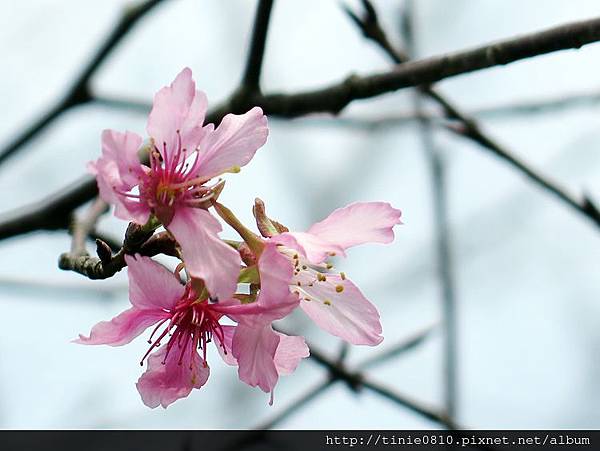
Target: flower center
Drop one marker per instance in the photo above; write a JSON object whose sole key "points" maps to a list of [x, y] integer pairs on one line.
{"points": [[190, 326], [173, 179]]}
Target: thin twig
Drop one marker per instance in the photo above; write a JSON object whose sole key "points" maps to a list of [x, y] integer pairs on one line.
{"points": [[313, 392], [357, 380], [82, 228], [444, 266], [548, 105], [109, 240], [404, 345], [134, 105], [106, 265], [79, 92], [469, 127]]}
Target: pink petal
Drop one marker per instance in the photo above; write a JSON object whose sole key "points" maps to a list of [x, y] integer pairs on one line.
{"points": [[275, 275], [346, 314], [178, 107], [130, 210], [358, 223], [117, 172], [254, 348], [313, 248], [206, 256], [151, 285], [290, 352], [233, 143], [123, 328], [122, 148], [224, 347], [163, 384]]}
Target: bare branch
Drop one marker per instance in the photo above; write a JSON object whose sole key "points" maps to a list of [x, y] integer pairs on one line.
{"points": [[444, 261], [407, 344], [251, 77], [106, 265], [296, 405], [357, 380], [335, 97], [51, 213], [134, 105], [79, 92], [82, 228], [501, 52]]}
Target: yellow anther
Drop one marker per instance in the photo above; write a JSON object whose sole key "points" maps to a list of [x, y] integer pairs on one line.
{"points": [[343, 276], [327, 302], [329, 266], [321, 277], [339, 288]]}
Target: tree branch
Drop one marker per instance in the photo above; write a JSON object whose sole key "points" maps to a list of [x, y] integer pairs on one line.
{"points": [[407, 344], [107, 265], [502, 53], [43, 215], [357, 380], [79, 92], [444, 262], [251, 78], [82, 228]]}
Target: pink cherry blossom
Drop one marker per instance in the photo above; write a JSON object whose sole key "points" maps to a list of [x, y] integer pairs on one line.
{"points": [[184, 155], [330, 299], [188, 322]]}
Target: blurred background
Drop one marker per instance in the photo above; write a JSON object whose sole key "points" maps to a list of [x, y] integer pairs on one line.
{"points": [[525, 268]]}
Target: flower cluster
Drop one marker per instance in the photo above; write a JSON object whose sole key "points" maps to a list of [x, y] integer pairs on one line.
{"points": [[225, 292]]}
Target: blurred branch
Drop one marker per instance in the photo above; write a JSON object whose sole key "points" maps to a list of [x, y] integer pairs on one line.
{"points": [[444, 262], [296, 405], [371, 28], [308, 396], [551, 105], [51, 213], [358, 380], [82, 228], [401, 347], [404, 345], [251, 78], [79, 92], [137, 106]]}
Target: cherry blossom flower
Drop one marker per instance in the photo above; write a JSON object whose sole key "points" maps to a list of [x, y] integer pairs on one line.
{"points": [[188, 321], [184, 155], [329, 298]]}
